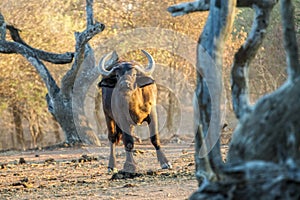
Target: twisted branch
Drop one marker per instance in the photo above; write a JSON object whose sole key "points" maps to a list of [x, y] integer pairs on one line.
{"points": [[203, 5], [20, 47], [242, 59], [15, 47], [89, 13], [2, 28], [47, 56], [82, 49], [290, 40]]}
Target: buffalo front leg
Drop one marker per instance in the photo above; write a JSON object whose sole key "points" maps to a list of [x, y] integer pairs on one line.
{"points": [[129, 165], [154, 136]]}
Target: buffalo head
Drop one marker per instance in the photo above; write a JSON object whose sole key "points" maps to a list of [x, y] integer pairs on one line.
{"points": [[126, 76]]}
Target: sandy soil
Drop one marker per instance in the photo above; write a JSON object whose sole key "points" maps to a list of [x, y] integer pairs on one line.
{"points": [[81, 173]]}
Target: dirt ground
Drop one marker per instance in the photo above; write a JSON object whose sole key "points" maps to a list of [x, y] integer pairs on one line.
{"points": [[81, 173]]}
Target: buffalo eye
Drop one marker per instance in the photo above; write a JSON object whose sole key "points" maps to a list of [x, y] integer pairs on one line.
{"points": [[118, 74], [134, 74]]}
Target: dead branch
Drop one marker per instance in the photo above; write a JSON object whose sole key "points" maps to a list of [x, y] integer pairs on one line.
{"points": [[209, 89], [2, 27], [82, 49], [33, 55], [188, 7], [203, 5], [14, 47], [20, 47], [290, 40], [89, 13], [47, 56], [242, 59]]}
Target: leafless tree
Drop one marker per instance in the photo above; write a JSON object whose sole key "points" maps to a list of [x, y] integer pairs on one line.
{"points": [[60, 99]]}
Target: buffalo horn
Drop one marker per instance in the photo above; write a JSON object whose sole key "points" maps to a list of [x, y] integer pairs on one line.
{"points": [[101, 66], [151, 65]]}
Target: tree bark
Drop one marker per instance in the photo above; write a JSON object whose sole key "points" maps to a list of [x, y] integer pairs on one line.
{"points": [[62, 112], [204, 5], [270, 130], [56, 130], [2, 28], [209, 88]]}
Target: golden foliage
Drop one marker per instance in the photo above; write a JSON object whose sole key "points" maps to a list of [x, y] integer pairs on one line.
{"points": [[50, 26]]}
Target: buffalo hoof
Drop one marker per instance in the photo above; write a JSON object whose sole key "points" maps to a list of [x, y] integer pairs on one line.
{"points": [[125, 175], [129, 167], [166, 166], [164, 163], [112, 170]]}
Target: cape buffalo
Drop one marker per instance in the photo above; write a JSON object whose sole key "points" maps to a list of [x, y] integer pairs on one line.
{"points": [[129, 99]]}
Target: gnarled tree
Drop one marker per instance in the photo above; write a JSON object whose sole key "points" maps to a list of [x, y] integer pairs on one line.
{"points": [[263, 158], [60, 99]]}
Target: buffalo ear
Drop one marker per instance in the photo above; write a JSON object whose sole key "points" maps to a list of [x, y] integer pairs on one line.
{"points": [[143, 81], [108, 82]]}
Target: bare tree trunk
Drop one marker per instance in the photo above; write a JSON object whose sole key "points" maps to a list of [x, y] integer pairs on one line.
{"points": [[12, 137], [209, 85], [17, 116], [34, 127], [171, 104]]}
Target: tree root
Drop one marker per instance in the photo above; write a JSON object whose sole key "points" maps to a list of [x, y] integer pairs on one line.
{"points": [[254, 180]]}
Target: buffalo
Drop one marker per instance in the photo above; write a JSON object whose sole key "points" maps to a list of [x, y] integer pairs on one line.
{"points": [[129, 98]]}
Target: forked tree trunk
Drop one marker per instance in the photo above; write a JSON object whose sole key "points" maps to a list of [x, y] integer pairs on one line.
{"points": [[62, 111]]}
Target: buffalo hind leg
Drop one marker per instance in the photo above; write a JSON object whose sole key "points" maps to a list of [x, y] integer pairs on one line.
{"points": [[129, 165], [112, 159], [114, 135], [154, 136]]}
